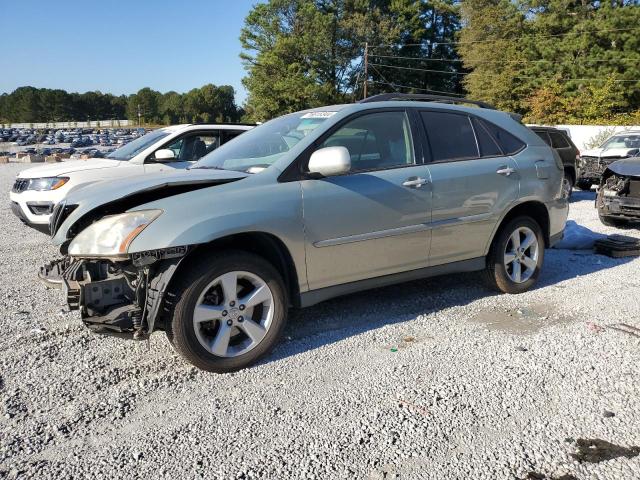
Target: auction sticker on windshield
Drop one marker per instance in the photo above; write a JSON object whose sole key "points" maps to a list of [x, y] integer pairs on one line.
{"points": [[318, 115]]}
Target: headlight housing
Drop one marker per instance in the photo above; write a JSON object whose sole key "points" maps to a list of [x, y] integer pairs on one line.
{"points": [[46, 183], [111, 236]]}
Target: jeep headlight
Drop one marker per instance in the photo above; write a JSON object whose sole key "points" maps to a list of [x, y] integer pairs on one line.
{"points": [[46, 183], [112, 235]]}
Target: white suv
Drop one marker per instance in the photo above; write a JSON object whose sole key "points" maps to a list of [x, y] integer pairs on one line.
{"points": [[37, 190]]}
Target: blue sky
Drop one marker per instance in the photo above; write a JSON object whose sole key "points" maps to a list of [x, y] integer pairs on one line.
{"points": [[122, 46]]}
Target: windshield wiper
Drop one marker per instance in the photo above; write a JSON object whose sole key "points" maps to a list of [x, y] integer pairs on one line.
{"points": [[206, 167]]}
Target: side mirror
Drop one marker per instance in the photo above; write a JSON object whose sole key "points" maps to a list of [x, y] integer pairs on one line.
{"points": [[330, 161], [164, 155]]}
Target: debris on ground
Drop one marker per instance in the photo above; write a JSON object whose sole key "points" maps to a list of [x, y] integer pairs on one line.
{"points": [[618, 246], [594, 327], [625, 328]]}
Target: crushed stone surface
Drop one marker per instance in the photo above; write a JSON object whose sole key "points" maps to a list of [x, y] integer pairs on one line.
{"points": [[435, 379]]}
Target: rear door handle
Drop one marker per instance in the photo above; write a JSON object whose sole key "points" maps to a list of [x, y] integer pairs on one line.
{"points": [[506, 171], [414, 182]]}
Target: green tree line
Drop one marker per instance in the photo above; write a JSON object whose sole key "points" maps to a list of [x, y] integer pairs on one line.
{"points": [[305, 53], [208, 103], [553, 61]]}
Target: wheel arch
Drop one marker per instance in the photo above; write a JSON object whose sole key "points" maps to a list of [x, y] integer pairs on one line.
{"points": [[531, 208], [263, 244]]}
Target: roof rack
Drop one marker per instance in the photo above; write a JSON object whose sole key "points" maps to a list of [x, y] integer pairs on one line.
{"points": [[387, 97]]}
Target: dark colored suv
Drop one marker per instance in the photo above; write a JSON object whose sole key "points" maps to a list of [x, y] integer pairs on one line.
{"points": [[560, 141]]}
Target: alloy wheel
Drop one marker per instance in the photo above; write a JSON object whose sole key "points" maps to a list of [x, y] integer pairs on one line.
{"points": [[521, 255], [233, 314]]}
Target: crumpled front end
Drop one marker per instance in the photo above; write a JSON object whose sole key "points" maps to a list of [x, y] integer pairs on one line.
{"points": [[619, 196], [123, 297]]}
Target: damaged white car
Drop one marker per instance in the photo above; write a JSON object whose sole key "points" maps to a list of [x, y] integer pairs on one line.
{"points": [[594, 162]]}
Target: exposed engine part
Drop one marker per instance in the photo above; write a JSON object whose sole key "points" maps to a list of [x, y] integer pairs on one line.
{"points": [[618, 184], [51, 273], [99, 296], [619, 195], [118, 297]]}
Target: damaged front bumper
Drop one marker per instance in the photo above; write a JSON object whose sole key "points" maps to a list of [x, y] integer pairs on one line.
{"points": [[123, 297], [619, 197], [627, 208]]}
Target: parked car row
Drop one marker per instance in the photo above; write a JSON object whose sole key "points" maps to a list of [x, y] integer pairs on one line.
{"points": [[214, 244], [78, 137]]}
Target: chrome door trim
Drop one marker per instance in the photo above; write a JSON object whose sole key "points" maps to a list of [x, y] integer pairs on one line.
{"points": [[393, 232], [361, 237]]}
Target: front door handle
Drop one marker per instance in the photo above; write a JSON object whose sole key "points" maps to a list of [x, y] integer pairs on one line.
{"points": [[414, 182], [506, 171]]}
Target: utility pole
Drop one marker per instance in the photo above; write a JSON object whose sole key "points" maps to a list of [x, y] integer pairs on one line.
{"points": [[366, 63], [138, 115]]}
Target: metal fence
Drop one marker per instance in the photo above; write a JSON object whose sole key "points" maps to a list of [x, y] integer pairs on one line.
{"points": [[91, 124]]}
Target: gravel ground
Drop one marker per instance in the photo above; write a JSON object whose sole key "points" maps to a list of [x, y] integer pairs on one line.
{"points": [[434, 379]]}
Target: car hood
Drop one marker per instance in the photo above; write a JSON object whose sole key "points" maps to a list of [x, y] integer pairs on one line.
{"points": [[62, 168], [116, 196], [629, 167], [611, 152]]}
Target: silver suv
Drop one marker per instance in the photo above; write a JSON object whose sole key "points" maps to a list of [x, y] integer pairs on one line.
{"points": [[306, 207]]}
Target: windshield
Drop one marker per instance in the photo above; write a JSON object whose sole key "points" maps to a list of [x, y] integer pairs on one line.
{"points": [[622, 141], [131, 149], [260, 147]]}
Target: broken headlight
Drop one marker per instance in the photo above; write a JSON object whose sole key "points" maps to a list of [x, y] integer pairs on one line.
{"points": [[112, 235]]}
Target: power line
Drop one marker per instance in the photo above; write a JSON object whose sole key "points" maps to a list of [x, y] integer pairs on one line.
{"points": [[416, 88], [487, 75], [452, 60], [418, 69], [530, 35]]}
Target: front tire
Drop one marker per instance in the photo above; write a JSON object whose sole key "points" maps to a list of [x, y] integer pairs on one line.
{"points": [[516, 256], [231, 311], [584, 185]]}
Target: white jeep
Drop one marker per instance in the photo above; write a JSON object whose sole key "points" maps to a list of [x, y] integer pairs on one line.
{"points": [[36, 191]]}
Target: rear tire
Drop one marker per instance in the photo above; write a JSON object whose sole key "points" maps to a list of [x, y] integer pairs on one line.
{"points": [[584, 184], [516, 256], [219, 286], [567, 184]]}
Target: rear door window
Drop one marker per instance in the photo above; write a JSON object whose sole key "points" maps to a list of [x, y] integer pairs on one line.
{"points": [[450, 136], [192, 147]]}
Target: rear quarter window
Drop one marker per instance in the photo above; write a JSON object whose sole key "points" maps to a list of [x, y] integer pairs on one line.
{"points": [[508, 143], [558, 140], [543, 136]]}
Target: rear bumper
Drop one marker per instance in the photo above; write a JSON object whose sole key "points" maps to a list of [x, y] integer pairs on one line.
{"points": [[558, 213]]}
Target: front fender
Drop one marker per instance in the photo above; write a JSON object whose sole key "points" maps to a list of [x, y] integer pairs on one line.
{"points": [[273, 208]]}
